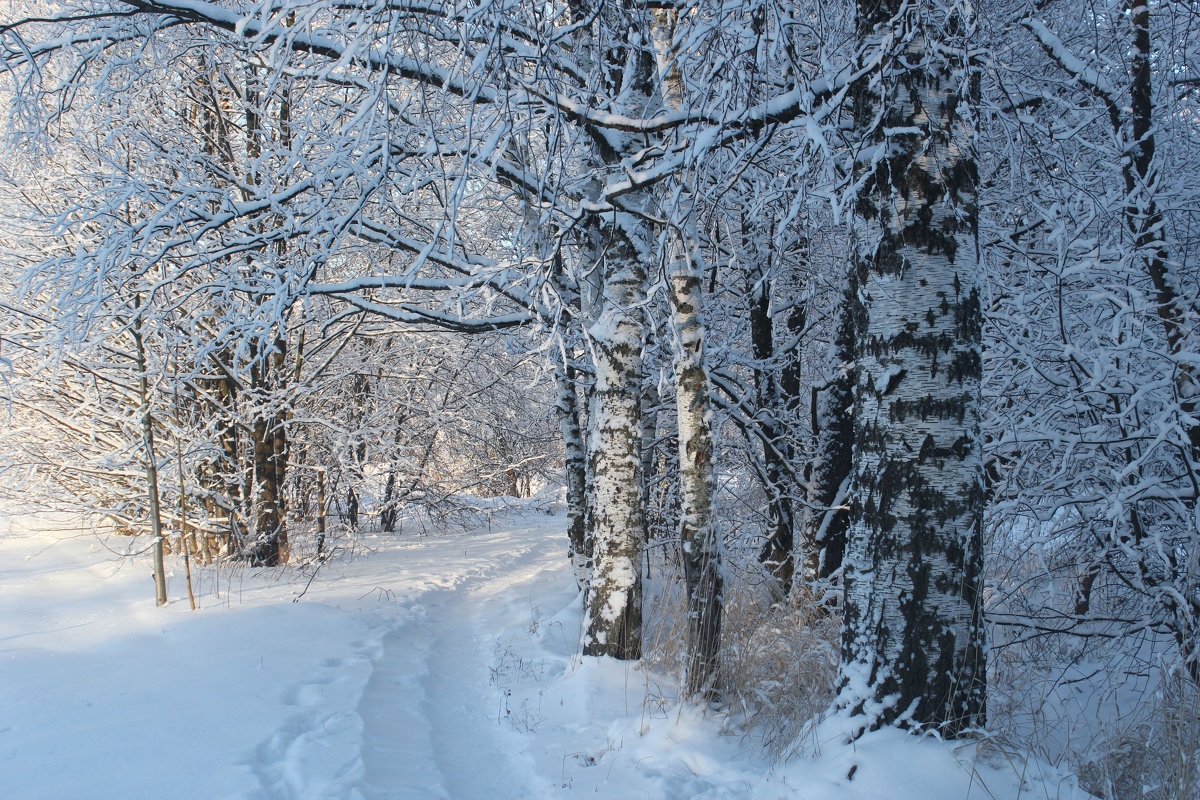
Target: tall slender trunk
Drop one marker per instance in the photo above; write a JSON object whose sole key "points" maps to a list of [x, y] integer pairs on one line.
{"points": [[614, 603], [268, 548], [226, 484], [279, 445], [777, 553], [698, 533], [187, 539], [913, 636], [1177, 588], [147, 420], [649, 401], [388, 511], [186, 543], [320, 513], [828, 518], [1146, 224]]}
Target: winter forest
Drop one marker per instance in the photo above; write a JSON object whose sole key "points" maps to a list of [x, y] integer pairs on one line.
{"points": [[829, 369]]}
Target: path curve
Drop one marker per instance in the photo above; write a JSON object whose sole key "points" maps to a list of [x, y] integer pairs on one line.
{"points": [[432, 719]]}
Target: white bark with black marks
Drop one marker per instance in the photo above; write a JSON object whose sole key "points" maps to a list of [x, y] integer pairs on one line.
{"points": [[616, 332], [913, 638]]}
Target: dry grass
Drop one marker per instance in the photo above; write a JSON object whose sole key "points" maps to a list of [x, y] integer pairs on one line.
{"points": [[778, 660], [1155, 759], [779, 665]]}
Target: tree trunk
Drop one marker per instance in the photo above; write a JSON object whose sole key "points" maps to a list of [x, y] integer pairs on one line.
{"points": [[388, 512], [833, 427], [279, 447], [184, 544], [233, 500], [614, 603], [1145, 222], [269, 547], [913, 637], [578, 546], [1177, 588], [160, 573], [265, 550], [352, 508], [777, 553], [649, 401], [320, 513], [698, 533], [614, 612]]}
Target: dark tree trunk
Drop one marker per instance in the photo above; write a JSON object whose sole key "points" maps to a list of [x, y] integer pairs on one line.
{"points": [[269, 546], [1145, 222], [352, 508], [579, 545], [777, 553], [279, 450], [388, 512], [833, 427]]}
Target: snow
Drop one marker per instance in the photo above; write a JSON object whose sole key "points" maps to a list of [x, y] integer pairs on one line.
{"points": [[443, 666]]}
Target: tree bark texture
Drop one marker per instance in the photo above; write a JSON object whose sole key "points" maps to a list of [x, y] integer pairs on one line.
{"points": [[269, 547], [614, 607], [579, 546], [913, 637], [777, 553], [830, 470], [616, 333], [698, 532], [700, 546]]}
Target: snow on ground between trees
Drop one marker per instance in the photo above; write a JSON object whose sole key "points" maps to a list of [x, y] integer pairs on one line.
{"points": [[443, 666]]}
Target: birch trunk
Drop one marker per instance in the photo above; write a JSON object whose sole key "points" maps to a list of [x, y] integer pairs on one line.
{"points": [[649, 400], [913, 639], [575, 458], [698, 534], [614, 607], [614, 603]]}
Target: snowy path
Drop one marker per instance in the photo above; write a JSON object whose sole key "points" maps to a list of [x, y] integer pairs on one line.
{"points": [[375, 686], [429, 712], [443, 667], [426, 719]]}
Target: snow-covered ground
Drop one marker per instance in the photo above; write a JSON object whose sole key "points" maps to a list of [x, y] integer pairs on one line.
{"points": [[423, 667]]}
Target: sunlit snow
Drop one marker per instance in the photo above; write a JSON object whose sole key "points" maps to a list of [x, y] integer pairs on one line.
{"points": [[443, 666]]}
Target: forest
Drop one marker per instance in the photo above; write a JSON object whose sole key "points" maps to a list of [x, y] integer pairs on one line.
{"points": [[852, 344]]}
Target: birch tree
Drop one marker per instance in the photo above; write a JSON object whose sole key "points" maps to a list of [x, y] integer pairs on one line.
{"points": [[698, 532], [614, 605], [913, 640]]}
